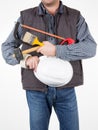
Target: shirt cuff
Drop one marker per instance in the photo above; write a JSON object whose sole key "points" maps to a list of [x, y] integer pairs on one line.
{"points": [[23, 62]]}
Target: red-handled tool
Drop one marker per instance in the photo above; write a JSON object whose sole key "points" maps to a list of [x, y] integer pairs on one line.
{"points": [[69, 41]]}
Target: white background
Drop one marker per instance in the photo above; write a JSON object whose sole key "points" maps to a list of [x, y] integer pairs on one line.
{"points": [[13, 106]]}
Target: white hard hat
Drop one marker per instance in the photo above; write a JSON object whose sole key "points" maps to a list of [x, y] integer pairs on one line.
{"points": [[54, 71]]}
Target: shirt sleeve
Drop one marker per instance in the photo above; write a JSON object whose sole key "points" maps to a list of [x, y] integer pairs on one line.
{"points": [[83, 49], [8, 46]]}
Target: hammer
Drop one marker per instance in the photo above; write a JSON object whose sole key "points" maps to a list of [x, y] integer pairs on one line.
{"points": [[31, 40]]}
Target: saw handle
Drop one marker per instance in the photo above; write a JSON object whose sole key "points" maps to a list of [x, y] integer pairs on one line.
{"points": [[69, 41]]}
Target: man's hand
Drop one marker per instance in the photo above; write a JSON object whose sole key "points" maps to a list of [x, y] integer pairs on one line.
{"points": [[32, 62], [48, 49]]}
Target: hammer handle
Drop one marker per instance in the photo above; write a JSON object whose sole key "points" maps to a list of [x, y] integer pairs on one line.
{"points": [[30, 50]]}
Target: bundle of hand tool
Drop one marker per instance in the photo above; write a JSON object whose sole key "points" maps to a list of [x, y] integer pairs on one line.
{"points": [[33, 40], [51, 71]]}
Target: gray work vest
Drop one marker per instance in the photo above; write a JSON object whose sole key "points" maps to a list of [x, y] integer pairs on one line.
{"points": [[66, 27]]}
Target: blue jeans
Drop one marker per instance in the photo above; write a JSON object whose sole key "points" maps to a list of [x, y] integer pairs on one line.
{"points": [[64, 103]]}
